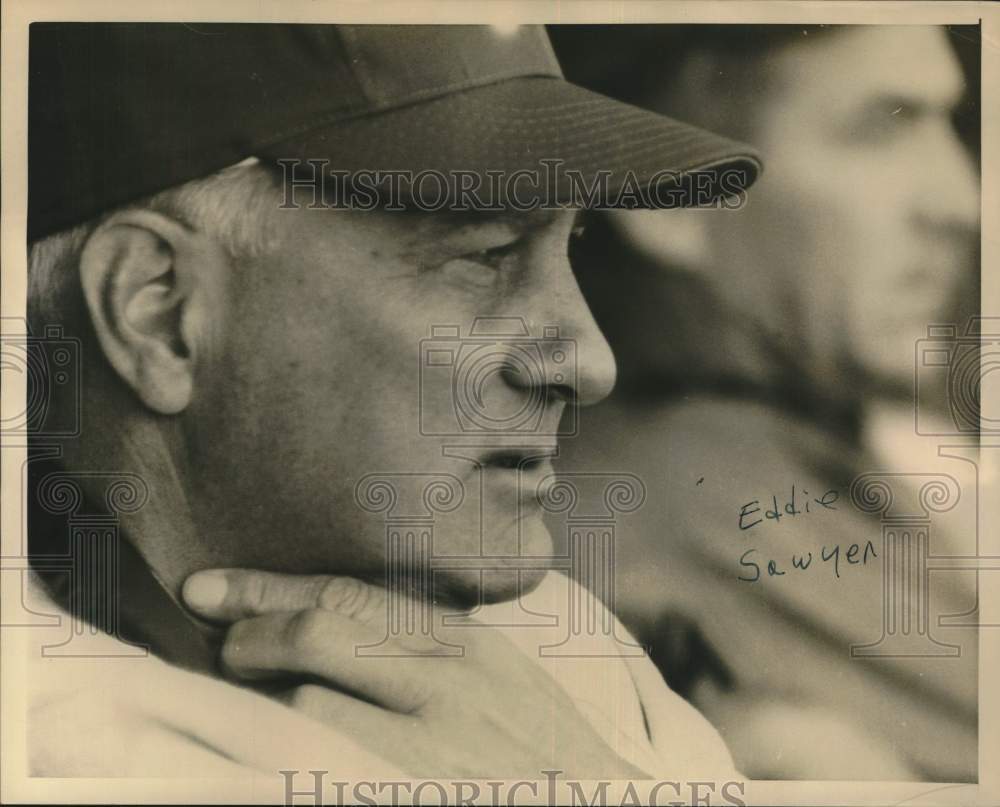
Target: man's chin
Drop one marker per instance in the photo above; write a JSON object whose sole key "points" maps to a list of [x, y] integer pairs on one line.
{"points": [[514, 563], [468, 589]]}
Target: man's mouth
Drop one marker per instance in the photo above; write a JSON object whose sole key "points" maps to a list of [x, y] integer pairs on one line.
{"points": [[522, 472], [520, 459]]}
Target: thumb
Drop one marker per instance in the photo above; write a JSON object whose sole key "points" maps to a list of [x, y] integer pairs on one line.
{"points": [[228, 595]]}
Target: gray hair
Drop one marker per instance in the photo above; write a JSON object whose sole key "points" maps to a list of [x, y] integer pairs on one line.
{"points": [[233, 205]]}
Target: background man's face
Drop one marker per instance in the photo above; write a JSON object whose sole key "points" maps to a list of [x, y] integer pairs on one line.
{"points": [[860, 223], [324, 379]]}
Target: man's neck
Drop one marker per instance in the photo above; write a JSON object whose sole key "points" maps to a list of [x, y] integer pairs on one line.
{"points": [[154, 542]]}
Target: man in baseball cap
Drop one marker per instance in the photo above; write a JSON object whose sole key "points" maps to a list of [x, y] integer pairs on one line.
{"points": [[328, 334]]}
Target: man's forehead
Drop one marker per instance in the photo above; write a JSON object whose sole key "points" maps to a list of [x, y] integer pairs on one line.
{"points": [[874, 63]]}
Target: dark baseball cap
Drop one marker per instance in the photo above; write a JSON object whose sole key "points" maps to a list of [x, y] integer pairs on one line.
{"points": [[119, 111]]}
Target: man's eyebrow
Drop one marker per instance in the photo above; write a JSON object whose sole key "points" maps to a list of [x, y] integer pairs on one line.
{"points": [[519, 220], [450, 229]]}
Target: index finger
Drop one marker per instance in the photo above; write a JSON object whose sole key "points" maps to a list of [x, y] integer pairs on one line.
{"points": [[227, 595]]}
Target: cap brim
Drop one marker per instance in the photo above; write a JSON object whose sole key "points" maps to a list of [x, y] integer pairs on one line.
{"points": [[533, 124]]}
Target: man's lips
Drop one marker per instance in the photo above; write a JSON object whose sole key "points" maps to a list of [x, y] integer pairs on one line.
{"points": [[525, 472], [520, 458]]}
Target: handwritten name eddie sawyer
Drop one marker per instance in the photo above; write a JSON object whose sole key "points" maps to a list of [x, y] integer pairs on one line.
{"points": [[752, 515]]}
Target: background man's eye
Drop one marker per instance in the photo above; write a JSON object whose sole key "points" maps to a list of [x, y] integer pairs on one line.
{"points": [[578, 231], [884, 124]]}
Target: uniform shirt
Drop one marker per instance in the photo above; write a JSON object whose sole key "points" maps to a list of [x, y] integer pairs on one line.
{"points": [[123, 715]]}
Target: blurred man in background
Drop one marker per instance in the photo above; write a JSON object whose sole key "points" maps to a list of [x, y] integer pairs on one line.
{"points": [[766, 358]]}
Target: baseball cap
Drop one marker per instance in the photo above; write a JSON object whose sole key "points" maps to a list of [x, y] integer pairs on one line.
{"points": [[119, 111]]}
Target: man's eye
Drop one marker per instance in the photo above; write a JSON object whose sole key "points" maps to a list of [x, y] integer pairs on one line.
{"points": [[493, 256], [479, 268], [884, 125], [578, 231], [469, 272]]}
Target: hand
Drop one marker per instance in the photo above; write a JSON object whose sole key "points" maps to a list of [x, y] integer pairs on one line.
{"points": [[490, 713]]}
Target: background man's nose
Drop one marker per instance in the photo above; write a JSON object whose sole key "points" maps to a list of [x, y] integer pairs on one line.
{"points": [[948, 198]]}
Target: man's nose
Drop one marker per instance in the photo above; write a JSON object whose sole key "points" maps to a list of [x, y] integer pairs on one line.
{"points": [[578, 364], [948, 197]]}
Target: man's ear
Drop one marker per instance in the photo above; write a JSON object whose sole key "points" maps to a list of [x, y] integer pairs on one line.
{"points": [[675, 239], [149, 282]]}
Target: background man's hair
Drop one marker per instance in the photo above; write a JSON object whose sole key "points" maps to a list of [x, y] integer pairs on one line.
{"points": [[235, 206], [647, 65]]}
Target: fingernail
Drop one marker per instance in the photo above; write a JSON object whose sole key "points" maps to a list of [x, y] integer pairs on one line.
{"points": [[205, 590]]}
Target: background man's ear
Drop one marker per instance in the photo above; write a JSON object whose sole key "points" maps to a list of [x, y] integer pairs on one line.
{"points": [[674, 239], [146, 278]]}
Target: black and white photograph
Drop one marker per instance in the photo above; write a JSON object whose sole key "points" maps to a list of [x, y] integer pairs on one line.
{"points": [[545, 403]]}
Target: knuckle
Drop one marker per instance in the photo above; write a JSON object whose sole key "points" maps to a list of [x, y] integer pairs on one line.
{"points": [[414, 688], [349, 597], [250, 591]]}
